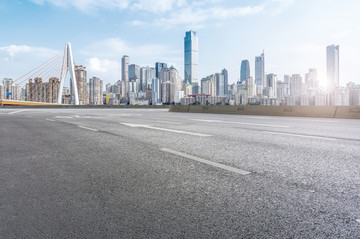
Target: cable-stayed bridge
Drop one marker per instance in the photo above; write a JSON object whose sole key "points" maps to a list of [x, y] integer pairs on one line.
{"points": [[44, 84]]}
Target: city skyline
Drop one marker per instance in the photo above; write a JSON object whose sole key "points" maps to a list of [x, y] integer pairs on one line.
{"points": [[160, 41]]}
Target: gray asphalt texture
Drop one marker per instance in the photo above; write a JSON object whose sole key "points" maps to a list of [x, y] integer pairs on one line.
{"points": [[59, 180]]}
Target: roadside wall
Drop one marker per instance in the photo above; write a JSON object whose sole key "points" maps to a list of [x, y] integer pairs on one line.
{"points": [[55, 106], [349, 112]]}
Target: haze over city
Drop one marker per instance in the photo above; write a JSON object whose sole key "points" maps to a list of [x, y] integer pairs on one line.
{"points": [[293, 34]]}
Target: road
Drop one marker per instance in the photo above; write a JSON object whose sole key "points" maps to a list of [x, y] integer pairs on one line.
{"points": [[149, 173]]}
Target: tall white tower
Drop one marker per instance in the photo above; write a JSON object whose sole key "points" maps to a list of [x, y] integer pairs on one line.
{"points": [[68, 66], [332, 65]]}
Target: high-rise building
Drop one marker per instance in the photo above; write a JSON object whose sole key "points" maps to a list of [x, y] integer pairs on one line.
{"points": [[125, 61], [53, 89], [134, 72], [143, 79], [156, 91], [108, 87], [164, 75], [224, 72], [296, 85], [251, 86], [282, 90], [81, 82], [311, 79], [95, 91], [244, 71], [150, 75], [271, 83], [332, 66], [134, 76], [287, 79], [260, 70], [165, 92], [176, 84], [191, 53], [220, 84], [158, 67], [7, 83]]}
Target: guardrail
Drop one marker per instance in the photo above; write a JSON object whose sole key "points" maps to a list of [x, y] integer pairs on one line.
{"points": [[348, 112]]}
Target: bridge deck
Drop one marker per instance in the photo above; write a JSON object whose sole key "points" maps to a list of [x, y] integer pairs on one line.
{"points": [[17, 102]]}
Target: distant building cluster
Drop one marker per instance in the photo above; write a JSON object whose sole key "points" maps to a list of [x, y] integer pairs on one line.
{"points": [[161, 84]]}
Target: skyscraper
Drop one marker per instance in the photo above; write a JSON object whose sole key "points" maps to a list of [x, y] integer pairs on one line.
{"points": [[191, 57], [95, 91], [332, 66], [142, 79], [220, 84], [134, 72], [125, 61], [81, 81], [224, 72], [271, 83], [134, 76], [150, 75], [176, 84], [260, 70], [156, 92], [311, 79], [158, 67], [244, 71], [296, 85], [7, 83]]}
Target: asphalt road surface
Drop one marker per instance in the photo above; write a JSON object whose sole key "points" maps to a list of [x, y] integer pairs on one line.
{"points": [[149, 173]]}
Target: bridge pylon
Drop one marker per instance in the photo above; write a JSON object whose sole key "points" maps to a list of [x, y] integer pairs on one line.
{"points": [[68, 66]]}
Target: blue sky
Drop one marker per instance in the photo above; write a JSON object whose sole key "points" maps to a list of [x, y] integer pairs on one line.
{"points": [[293, 33]]}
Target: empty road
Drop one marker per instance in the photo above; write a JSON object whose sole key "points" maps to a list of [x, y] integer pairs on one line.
{"points": [[149, 173]]}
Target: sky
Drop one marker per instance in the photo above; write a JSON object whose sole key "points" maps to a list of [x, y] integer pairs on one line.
{"points": [[292, 33]]}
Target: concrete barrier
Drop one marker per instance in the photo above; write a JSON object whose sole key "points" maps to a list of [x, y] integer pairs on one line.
{"points": [[347, 112], [294, 111]]}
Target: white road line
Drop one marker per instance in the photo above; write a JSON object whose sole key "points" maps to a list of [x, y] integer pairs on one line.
{"points": [[299, 135], [322, 121], [15, 112], [63, 117], [242, 123], [50, 120], [168, 122], [163, 129], [205, 161], [83, 127]]}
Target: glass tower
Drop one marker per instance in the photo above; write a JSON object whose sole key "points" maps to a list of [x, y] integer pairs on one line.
{"points": [[332, 66], [260, 70], [158, 67], [244, 71], [191, 57]]}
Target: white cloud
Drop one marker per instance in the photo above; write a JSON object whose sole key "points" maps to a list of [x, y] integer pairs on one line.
{"points": [[201, 17], [87, 5], [103, 58], [100, 65], [169, 13], [341, 35], [106, 69], [278, 6], [13, 51], [157, 5], [115, 48], [18, 60], [138, 23]]}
